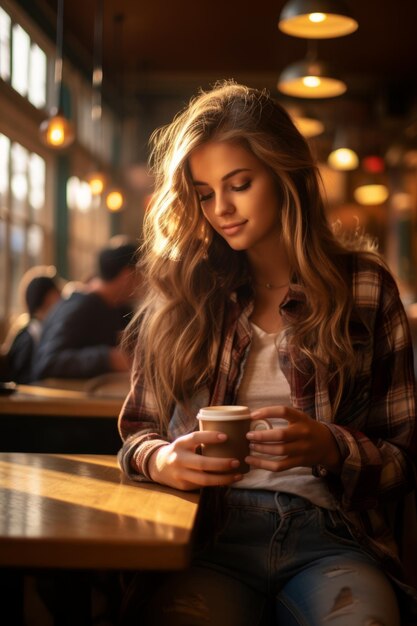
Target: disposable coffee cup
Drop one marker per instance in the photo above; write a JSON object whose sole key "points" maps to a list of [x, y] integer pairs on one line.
{"points": [[235, 422]]}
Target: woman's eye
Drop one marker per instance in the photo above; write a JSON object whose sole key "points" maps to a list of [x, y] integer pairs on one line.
{"points": [[242, 187], [207, 196]]}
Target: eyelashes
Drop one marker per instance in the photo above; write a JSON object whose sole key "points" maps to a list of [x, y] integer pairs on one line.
{"points": [[208, 196], [242, 187]]}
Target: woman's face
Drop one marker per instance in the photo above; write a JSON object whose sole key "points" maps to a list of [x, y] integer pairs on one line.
{"points": [[237, 194]]}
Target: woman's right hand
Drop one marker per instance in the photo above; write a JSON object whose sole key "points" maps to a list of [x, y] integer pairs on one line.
{"points": [[178, 465]]}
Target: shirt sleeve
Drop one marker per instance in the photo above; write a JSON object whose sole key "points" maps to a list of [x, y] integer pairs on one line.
{"points": [[379, 459], [139, 429]]}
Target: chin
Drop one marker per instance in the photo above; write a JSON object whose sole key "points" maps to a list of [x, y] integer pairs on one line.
{"points": [[238, 247]]}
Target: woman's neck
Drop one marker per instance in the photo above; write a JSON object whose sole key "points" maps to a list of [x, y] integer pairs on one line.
{"points": [[269, 270], [270, 273]]}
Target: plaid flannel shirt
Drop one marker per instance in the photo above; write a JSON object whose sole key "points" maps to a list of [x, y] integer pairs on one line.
{"points": [[374, 426]]}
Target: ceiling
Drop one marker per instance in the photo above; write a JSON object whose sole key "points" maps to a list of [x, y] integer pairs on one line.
{"points": [[168, 48]]}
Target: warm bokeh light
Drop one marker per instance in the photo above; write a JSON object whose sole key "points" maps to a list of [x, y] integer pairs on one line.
{"points": [[343, 159], [315, 24], [57, 132], [317, 17], [97, 182], [114, 201], [308, 126], [373, 164], [311, 81], [310, 86], [371, 194]]}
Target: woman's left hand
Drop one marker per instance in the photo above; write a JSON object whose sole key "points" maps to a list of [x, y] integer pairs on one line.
{"points": [[303, 443]]}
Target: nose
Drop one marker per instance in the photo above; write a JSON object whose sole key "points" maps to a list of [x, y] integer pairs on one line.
{"points": [[223, 205]]}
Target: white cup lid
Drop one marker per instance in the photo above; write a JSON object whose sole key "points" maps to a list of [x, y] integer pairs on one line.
{"points": [[226, 413]]}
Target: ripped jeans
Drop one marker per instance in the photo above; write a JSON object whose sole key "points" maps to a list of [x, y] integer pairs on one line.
{"points": [[278, 560]]}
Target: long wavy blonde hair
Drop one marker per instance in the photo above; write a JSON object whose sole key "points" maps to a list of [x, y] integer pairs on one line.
{"points": [[191, 271]]}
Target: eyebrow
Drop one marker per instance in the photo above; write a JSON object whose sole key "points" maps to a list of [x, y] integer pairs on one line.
{"points": [[196, 183]]}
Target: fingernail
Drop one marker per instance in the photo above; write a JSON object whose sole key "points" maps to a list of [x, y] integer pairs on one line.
{"points": [[249, 435], [221, 437], [238, 477], [252, 446], [235, 463]]}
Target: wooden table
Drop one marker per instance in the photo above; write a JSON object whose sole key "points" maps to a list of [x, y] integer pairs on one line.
{"points": [[39, 400], [75, 511], [64, 519], [40, 419]]}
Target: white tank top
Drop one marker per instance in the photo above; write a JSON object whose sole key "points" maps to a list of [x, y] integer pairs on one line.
{"points": [[264, 384]]}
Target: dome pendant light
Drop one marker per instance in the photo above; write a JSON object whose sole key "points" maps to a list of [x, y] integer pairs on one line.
{"points": [[57, 131], [317, 19], [310, 79], [343, 156]]}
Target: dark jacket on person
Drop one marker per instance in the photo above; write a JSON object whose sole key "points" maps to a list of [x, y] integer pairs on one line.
{"points": [[20, 354], [77, 338]]}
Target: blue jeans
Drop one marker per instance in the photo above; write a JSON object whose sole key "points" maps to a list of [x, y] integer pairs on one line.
{"points": [[277, 560]]}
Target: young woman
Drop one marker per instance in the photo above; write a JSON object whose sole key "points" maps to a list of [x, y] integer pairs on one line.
{"points": [[252, 300]]}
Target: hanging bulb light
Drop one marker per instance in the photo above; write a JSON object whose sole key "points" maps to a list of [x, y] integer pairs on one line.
{"points": [[57, 131], [115, 200], [317, 19], [97, 182], [96, 178]]}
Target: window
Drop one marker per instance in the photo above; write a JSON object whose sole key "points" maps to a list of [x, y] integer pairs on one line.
{"points": [[28, 71], [37, 76], [20, 60], [25, 235], [5, 25], [89, 228]]}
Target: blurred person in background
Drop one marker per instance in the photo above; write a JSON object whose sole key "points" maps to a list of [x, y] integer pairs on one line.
{"points": [[81, 337], [41, 294]]}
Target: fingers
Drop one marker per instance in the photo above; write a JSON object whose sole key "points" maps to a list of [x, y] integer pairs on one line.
{"points": [[207, 479], [194, 470], [196, 438], [274, 465], [273, 435], [209, 464], [269, 449], [286, 412]]}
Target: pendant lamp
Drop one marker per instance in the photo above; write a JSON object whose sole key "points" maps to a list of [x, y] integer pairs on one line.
{"points": [[343, 157], [96, 178], [307, 125], [57, 131], [115, 197], [317, 19], [310, 78]]}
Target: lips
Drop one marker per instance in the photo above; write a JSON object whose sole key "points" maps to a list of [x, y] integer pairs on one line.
{"points": [[233, 228]]}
